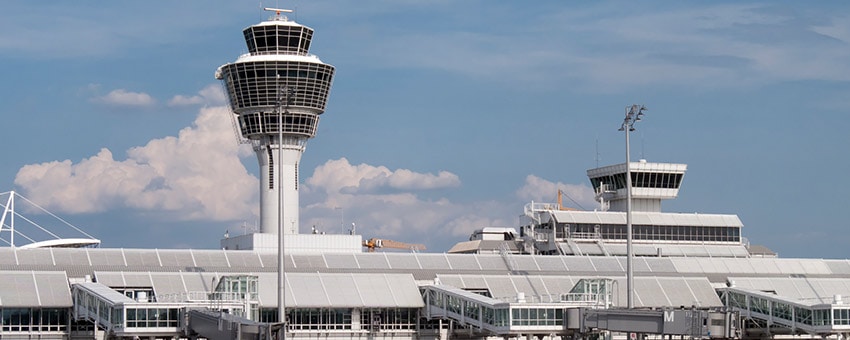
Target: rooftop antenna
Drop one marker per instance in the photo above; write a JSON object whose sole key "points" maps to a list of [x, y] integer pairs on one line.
{"points": [[277, 12], [597, 150], [642, 145]]}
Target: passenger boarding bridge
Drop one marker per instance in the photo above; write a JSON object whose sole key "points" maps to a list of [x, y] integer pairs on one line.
{"points": [[586, 310], [790, 305], [134, 313]]}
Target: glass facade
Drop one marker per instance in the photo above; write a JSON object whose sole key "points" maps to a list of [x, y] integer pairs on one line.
{"points": [[640, 179], [278, 39], [537, 316], [258, 84], [152, 317], [34, 319], [650, 232], [319, 318]]}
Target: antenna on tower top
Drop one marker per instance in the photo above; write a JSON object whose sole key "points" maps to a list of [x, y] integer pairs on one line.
{"points": [[277, 12], [597, 151]]}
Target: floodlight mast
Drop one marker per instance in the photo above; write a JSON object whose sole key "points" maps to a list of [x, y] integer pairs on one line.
{"points": [[286, 93], [277, 91], [633, 115]]}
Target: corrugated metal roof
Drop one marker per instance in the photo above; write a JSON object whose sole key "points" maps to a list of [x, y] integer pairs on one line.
{"points": [[649, 291], [806, 291], [34, 289], [312, 290]]}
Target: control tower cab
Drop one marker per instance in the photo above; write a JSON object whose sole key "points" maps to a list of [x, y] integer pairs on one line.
{"points": [[651, 183]]}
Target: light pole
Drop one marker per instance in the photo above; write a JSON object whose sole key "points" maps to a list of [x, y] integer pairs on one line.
{"points": [[283, 101], [633, 115]]}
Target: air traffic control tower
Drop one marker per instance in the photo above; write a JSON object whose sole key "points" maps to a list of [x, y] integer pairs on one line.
{"points": [[277, 92]]}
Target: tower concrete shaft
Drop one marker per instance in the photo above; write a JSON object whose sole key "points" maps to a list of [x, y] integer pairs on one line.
{"points": [[277, 92]]}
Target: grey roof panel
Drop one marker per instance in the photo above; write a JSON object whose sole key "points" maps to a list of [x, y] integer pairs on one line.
{"points": [[524, 263], [551, 263], [558, 284], [200, 281], [137, 279], [677, 292], [342, 261], [175, 258], [648, 293], [578, 264], [501, 287], [607, 264], [111, 279], [433, 261], [313, 290], [70, 256], [491, 262], [209, 258], [405, 261], [462, 262], [34, 289], [838, 266], [660, 265], [703, 292], [106, 257], [243, 258], [452, 280], [168, 283], [372, 261], [141, 258], [36, 256]]}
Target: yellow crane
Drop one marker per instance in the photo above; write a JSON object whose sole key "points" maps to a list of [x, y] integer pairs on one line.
{"points": [[373, 243]]}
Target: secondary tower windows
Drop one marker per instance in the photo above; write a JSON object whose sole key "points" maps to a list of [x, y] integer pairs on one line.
{"points": [[640, 179]]}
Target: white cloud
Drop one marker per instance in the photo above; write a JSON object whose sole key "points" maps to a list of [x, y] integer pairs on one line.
{"points": [[212, 94], [340, 176], [194, 176], [402, 214], [122, 97], [540, 190], [384, 203]]}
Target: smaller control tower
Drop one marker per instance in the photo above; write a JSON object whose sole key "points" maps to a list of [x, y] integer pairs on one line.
{"points": [[651, 183]]}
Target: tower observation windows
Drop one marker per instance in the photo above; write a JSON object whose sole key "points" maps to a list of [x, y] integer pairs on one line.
{"points": [[267, 123], [258, 84], [278, 39], [640, 179]]}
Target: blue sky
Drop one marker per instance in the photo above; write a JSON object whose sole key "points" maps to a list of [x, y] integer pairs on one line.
{"points": [[444, 116]]}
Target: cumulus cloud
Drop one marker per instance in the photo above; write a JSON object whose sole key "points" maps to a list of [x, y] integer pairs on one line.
{"points": [[122, 97], [196, 175], [340, 176], [212, 94], [540, 190], [402, 214], [385, 203]]}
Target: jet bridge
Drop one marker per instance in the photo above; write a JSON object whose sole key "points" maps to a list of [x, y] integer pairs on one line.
{"points": [[581, 313], [693, 323]]}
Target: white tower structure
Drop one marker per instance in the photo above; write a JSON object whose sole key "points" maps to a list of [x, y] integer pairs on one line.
{"points": [[651, 183], [277, 92]]}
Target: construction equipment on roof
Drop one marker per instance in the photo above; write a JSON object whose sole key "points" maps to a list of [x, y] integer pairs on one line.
{"points": [[373, 243]]}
